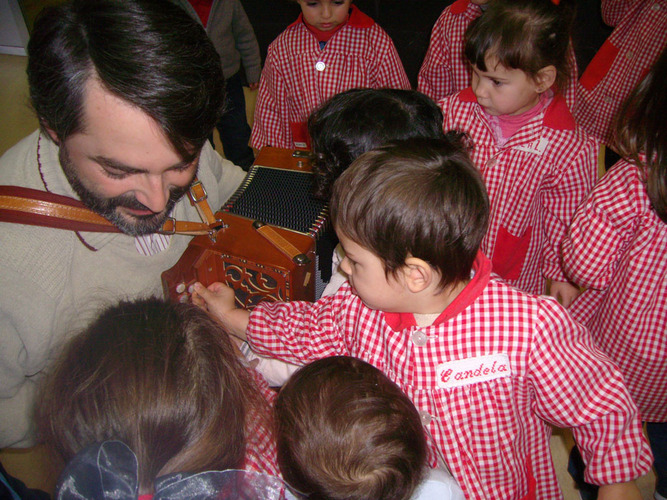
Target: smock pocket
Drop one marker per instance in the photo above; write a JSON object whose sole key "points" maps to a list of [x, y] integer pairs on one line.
{"points": [[509, 253], [599, 66]]}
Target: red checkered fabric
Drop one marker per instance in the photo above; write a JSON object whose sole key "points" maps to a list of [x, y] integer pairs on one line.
{"points": [[621, 63], [535, 183], [298, 75], [261, 454], [491, 428], [446, 70], [617, 246]]}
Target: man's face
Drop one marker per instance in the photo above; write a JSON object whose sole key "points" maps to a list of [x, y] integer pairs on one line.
{"points": [[122, 165]]}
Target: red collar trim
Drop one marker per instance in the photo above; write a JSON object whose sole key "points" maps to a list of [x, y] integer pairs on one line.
{"points": [[482, 267], [459, 7], [557, 116], [356, 19]]}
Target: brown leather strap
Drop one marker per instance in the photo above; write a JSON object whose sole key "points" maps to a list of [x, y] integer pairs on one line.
{"points": [[281, 243], [40, 208]]}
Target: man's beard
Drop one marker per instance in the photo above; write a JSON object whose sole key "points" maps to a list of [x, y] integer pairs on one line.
{"points": [[107, 207]]}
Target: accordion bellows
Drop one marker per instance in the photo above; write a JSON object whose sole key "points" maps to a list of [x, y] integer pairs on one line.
{"points": [[268, 247]]}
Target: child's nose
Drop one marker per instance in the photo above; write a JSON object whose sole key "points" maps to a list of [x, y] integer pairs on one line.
{"points": [[326, 11]]}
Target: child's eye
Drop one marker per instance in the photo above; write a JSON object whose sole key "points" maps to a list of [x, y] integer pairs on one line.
{"points": [[496, 83]]}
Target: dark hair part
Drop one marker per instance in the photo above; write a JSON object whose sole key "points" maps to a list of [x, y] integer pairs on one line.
{"points": [[162, 378], [523, 34], [345, 431], [149, 53], [641, 127], [421, 198], [358, 120]]}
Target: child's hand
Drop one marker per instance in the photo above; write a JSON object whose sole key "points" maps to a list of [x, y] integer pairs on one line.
{"points": [[564, 292], [218, 300]]}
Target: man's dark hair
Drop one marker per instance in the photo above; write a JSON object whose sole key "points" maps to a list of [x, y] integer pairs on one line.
{"points": [[149, 53]]}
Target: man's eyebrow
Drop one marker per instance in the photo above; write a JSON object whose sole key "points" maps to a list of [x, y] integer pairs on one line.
{"points": [[116, 165]]}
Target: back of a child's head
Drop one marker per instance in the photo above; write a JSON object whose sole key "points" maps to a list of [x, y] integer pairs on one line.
{"points": [[358, 120], [420, 198], [345, 431], [162, 378], [523, 34], [641, 125]]}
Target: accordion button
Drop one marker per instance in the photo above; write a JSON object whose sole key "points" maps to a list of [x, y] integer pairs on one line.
{"points": [[180, 288], [320, 66], [419, 338], [184, 298], [425, 417]]}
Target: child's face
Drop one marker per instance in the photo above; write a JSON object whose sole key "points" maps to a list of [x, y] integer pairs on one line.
{"points": [[366, 274], [504, 91], [325, 15]]}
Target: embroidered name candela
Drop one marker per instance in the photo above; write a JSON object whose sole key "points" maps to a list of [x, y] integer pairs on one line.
{"points": [[472, 370]]}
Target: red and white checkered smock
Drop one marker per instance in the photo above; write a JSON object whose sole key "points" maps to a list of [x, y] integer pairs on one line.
{"points": [[446, 70], [261, 454], [535, 183], [621, 63], [492, 426], [617, 246], [298, 75]]}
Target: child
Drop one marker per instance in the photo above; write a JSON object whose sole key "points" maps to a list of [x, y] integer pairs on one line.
{"points": [[487, 366], [617, 248], [536, 163], [345, 431], [445, 69], [164, 380], [345, 126], [639, 37], [229, 29], [331, 47]]}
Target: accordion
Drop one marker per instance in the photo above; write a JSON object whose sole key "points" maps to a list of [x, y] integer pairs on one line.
{"points": [[275, 243]]}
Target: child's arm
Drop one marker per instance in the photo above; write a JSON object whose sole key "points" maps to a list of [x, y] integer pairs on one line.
{"points": [[435, 75], [218, 299], [575, 385], [619, 491], [564, 292], [603, 226], [566, 189]]}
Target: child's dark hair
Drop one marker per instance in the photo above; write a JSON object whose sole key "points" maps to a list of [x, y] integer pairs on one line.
{"points": [[420, 197], [523, 34], [641, 128], [345, 431], [162, 378], [358, 120]]}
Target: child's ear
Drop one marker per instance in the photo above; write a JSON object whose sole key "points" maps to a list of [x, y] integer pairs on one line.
{"points": [[418, 274], [545, 78]]}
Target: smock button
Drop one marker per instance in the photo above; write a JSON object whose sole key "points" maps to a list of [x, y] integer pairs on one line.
{"points": [[491, 162], [419, 338], [656, 6], [425, 417], [630, 55], [320, 66]]}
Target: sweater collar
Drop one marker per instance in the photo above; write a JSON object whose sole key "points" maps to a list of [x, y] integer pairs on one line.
{"points": [[557, 116], [481, 276]]}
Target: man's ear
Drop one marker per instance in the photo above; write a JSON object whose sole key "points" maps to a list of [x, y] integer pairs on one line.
{"points": [[545, 78], [418, 274], [52, 134]]}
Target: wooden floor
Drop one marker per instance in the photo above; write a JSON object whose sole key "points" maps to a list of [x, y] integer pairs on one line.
{"points": [[32, 466]]}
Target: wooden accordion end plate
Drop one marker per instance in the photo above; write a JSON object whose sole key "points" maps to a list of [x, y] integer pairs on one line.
{"points": [[267, 249]]}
